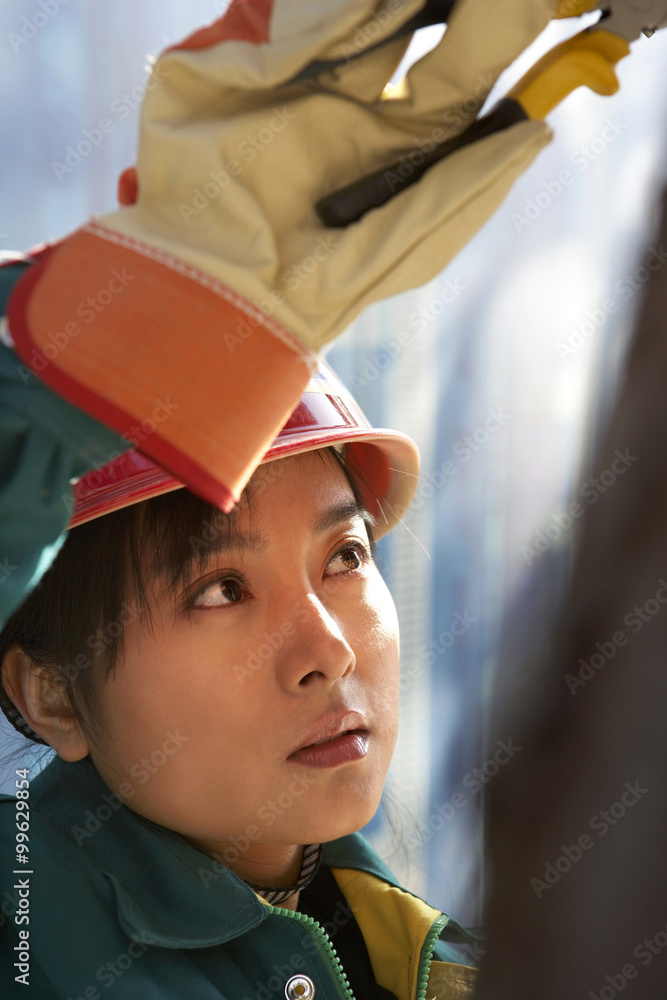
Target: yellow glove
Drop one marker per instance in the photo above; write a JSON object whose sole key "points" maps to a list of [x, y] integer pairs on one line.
{"points": [[215, 288]]}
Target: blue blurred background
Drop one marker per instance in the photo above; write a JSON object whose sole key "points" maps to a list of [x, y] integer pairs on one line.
{"points": [[503, 369]]}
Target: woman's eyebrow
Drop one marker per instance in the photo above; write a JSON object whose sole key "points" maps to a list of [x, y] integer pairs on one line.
{"points": [[233, 538], [340, 512], [229, 538]]}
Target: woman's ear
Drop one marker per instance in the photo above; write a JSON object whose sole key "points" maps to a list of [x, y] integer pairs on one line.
{"points": [[42, 700]]}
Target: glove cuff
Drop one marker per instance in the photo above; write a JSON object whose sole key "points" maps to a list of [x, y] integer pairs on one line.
{"points": [[180, 365]]}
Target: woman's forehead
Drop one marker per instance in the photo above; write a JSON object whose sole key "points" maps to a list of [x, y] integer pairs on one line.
{"points": [[320, 463], [292, 489]]}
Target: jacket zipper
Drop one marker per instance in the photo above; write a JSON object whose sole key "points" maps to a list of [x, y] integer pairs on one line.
{"points": [[427, 955], [332, 962], [326, 950]]}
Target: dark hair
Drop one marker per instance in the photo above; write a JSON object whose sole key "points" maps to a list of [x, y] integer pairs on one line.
{"points": [[72, 623]]}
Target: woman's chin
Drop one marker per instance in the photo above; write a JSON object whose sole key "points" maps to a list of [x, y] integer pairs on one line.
{"points": [[336, 820]]}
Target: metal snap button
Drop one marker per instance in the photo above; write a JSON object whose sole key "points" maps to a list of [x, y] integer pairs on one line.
{"points": [[300, 988]]}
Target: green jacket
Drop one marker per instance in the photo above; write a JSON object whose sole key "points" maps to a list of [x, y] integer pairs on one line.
{"points": [[112, 905]]}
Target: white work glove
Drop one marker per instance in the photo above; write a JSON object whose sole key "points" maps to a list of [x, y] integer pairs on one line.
{"points": [[215, 288]]}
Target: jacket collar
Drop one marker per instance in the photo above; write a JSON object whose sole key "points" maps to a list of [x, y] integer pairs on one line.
{"points": [[167, 893]]}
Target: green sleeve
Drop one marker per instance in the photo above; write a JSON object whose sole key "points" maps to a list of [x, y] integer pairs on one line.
{"points": [[44, 443]]}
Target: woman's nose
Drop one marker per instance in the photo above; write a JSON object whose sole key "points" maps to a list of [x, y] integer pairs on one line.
{"points": [[315, 648]]}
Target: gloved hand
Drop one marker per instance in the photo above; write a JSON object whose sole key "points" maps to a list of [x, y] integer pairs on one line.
{"points": [[216, 286]]}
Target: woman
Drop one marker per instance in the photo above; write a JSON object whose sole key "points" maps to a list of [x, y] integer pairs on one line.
{"points": [[221, 692], [221, 689]]}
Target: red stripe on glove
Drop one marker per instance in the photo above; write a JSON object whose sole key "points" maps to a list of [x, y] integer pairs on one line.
{"points": [[243, 21]]}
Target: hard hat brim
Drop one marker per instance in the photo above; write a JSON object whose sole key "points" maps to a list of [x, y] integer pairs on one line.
{"points": [[384, 463]]}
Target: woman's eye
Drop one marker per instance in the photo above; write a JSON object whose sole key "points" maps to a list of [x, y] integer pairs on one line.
{"points": [[218, 594], [350, 558]]}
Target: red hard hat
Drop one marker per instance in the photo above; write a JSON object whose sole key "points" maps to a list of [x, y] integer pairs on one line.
{"points": [[385, 463]]}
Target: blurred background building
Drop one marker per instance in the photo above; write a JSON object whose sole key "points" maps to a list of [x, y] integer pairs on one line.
{"points": [[503, 369]]}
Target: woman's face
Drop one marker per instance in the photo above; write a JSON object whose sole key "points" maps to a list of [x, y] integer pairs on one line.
{"points": [[285, 639]]}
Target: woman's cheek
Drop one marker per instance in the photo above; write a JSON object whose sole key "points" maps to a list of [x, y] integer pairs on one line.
{"points": [[379, 635], [382, 620]]}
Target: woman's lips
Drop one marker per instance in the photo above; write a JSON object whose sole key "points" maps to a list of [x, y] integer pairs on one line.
{"points": [[349, 746], [329, 726]]}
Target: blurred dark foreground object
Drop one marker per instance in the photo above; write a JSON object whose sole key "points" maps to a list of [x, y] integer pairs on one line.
{"points": [[577, 822]]}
